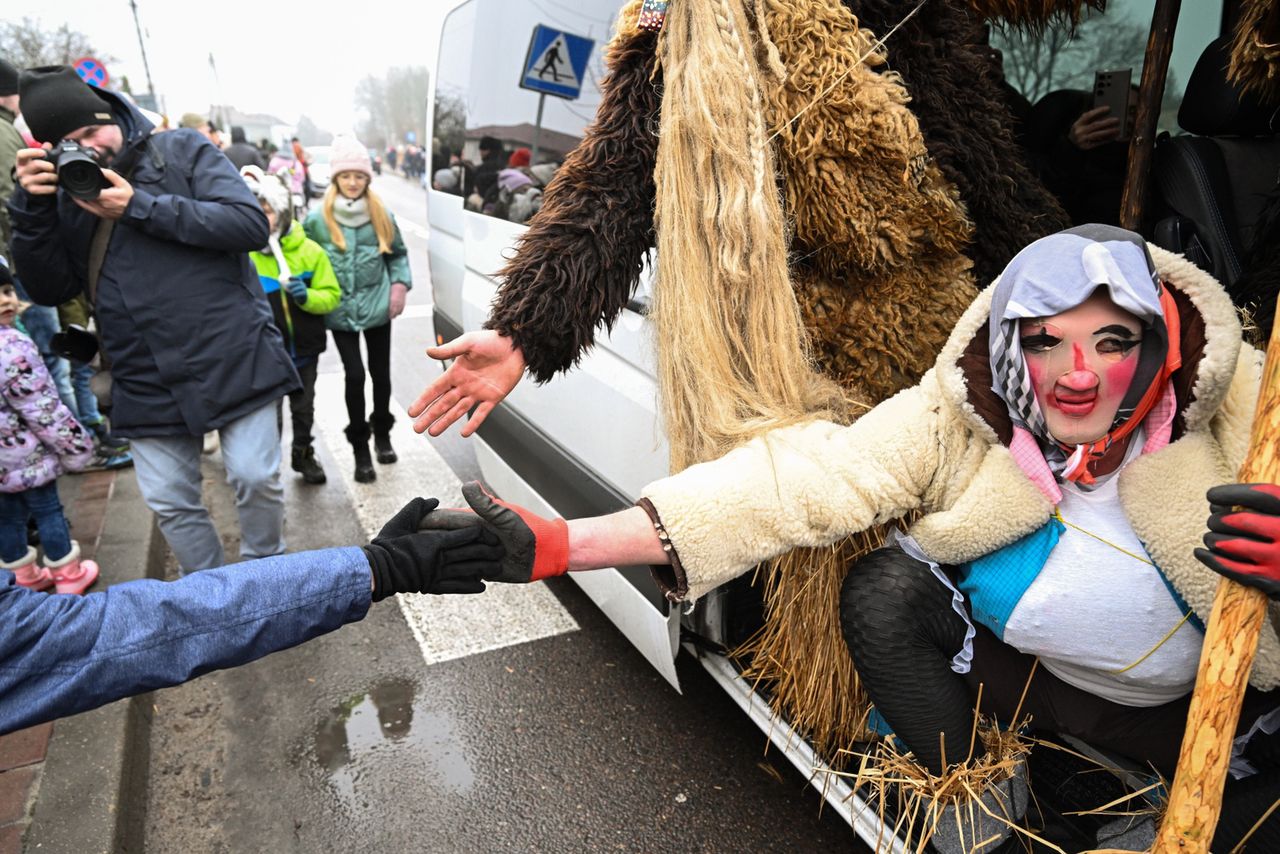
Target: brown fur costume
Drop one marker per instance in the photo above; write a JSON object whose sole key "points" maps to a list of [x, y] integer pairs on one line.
{"points": [[954, 80], [577, 264], [878, 231], [1255, 49]]}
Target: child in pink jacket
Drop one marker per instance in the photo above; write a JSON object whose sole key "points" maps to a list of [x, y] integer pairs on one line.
{"points": [[39, 440]]}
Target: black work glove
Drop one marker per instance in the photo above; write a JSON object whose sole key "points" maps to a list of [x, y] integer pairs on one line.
{"points": [[1244, 535], [407, 559], [535, 547]]}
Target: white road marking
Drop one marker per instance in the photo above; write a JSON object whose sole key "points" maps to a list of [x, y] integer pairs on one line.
{"points": [[418, 310], [412, 227], [446, 627]]}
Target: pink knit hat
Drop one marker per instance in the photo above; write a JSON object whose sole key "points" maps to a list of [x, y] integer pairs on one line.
{"points": [[348, 155]]}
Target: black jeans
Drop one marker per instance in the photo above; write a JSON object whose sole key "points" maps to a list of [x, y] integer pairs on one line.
{"points": [[378, 343], [302, 405], [903, 632]]}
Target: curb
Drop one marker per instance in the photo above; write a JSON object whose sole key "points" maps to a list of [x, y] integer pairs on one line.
{"points": [[92, 794]]}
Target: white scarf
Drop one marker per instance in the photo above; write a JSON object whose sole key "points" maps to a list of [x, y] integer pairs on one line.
{"points": [[351, 213]]}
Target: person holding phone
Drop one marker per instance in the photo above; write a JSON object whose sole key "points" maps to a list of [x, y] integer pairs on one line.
{"points": [[1080, 149]]}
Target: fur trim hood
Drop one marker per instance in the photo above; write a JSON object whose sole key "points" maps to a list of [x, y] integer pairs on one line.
{"points": [[1211, 343]]}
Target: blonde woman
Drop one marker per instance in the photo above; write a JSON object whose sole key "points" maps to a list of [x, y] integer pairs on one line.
{"points": [[372, 264]]}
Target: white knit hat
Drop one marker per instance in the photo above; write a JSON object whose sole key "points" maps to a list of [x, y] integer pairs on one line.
{"points": [[348, 155], [268, 188]]}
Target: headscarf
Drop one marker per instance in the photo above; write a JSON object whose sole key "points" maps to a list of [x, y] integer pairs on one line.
{"points": [[1058, 273]]}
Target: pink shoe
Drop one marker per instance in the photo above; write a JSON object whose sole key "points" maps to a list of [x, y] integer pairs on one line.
{"points": [[28, 574], [71, 574]]}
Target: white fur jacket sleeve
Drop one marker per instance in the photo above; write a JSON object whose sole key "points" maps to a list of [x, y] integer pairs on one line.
{"points": [[807, 485]]}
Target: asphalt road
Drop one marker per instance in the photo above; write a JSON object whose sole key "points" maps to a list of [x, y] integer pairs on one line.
{"points": [[519, 720]]}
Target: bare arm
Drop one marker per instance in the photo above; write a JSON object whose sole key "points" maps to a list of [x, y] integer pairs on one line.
{"points": [[625, 538]]}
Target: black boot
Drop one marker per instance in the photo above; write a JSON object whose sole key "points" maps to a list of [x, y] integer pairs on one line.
{"points": [[358, 436], [381, 426], [306, 464]]}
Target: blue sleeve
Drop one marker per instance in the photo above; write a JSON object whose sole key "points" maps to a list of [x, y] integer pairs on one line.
{"points": [[222, 215], [40, 254], [65, 654]]}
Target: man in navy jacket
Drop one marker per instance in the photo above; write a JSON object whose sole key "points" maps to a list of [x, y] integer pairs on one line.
{"points": [[180, 311]]}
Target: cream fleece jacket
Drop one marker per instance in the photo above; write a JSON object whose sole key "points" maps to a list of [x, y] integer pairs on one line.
{"points": [[928, 449]]}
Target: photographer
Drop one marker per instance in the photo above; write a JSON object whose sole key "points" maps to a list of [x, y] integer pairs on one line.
{"points": [[155, 230]]}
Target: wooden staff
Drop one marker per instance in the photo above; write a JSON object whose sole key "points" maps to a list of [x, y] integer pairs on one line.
{"points": [[1155, 67], [1230, 642]]}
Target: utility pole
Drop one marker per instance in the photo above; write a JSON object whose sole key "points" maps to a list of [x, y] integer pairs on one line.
{"points": [[142, 45]]}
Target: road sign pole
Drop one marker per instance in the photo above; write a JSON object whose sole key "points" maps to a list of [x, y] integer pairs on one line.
{"points": [[537, 130]]}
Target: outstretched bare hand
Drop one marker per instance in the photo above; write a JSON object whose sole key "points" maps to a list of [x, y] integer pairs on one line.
{"points": [[487, 366]]}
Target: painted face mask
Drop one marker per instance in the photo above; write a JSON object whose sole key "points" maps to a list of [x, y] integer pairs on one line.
{"points": [[1080, 332], [1081, 364]]}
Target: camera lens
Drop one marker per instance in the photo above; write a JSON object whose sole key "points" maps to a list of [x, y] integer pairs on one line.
{"points": [[80, 175]]}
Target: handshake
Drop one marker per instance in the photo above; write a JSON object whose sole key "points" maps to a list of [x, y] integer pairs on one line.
{"points": [[424, 549]]}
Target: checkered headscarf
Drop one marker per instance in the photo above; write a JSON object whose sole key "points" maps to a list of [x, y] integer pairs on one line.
{"points": [[1056, 274]]}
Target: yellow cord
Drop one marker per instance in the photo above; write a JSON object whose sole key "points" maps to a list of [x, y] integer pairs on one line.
{"points": [[1057, 512]]}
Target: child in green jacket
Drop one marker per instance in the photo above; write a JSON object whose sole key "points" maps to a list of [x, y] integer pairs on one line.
{"points": [[300, 285]]}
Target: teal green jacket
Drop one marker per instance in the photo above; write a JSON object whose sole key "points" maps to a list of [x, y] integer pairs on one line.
{"points": [[364, 273]]}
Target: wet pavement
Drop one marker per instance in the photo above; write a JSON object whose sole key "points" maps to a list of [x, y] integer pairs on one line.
{"points": [[425, 730]]}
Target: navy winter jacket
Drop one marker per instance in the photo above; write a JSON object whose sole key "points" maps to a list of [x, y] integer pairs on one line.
{"points": [[183, 318], [65, 654]]}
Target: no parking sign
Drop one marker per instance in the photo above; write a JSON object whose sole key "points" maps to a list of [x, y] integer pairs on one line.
{"points": [[92, 71]]}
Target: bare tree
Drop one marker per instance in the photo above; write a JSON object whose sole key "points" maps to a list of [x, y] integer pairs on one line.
{"points": [[450, 122], [309, 133], [394, 105], [1061, 59], [26, 45]]}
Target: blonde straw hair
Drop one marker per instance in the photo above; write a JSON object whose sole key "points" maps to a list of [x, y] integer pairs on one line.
{"points": [[733, 355], [383, 227]]}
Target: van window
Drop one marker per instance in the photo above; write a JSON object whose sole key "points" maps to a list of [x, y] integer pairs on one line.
{"points": [[449, 123], [486, 104], [1055, 60]]}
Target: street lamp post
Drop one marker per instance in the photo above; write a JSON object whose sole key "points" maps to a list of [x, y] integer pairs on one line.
{"points": [[142, 45]]}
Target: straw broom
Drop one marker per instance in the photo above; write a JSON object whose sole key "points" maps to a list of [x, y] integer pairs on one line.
{"points": [[1231, 640]]}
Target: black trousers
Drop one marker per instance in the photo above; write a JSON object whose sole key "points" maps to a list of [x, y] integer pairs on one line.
{"points": [[378, 342], [903, 632]]}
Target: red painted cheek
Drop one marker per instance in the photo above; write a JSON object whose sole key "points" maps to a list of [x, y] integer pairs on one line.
{"points": [[1120, 376]]}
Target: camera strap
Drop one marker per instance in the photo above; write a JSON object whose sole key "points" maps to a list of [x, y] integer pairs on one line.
{"points": [[97, 255]]}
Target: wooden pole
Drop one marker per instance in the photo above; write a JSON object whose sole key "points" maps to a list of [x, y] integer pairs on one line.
{"points": [[1155, 67], [1230, 642]]}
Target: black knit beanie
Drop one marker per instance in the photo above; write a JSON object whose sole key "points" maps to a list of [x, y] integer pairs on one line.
{"points": [[8, 78], [55, 101], [6, 278]]}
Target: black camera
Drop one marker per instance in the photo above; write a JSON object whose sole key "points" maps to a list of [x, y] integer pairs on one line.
{"points": [[78, 170], [75, 343]]}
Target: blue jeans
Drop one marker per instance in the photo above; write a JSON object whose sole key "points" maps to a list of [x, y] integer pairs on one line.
{"points": [[86, 408], [168, 469], [42, 503]]}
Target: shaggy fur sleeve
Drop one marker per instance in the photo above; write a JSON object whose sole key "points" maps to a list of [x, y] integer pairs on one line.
{"points": [[806, 485], [576, 266]]}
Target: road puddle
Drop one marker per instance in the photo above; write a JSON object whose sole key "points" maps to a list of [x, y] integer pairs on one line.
{"points": [[388, 728]]}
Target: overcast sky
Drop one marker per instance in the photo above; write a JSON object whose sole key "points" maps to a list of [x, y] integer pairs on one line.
{"points": [[284, 58]]}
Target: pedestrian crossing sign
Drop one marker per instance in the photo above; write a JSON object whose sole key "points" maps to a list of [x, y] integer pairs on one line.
{"points": [[556, 62]]}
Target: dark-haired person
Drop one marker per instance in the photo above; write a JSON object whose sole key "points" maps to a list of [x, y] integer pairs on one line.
{"points": [[179, 307]]}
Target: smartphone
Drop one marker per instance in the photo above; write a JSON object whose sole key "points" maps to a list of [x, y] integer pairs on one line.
{"points": [[1111, 89]]}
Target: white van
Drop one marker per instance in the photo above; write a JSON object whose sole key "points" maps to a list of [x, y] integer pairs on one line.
{"points": [[589, 440]]}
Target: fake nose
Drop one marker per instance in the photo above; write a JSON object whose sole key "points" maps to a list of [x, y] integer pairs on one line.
{"points": [[1080, 381]]}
